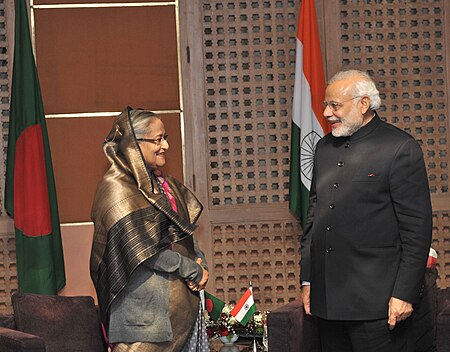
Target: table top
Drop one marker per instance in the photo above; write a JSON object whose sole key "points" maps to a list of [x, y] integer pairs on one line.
{"points": [[243, 344]]}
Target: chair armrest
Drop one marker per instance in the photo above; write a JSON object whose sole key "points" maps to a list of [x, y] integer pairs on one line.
{"points": [[443, 329], [291, 330], [7, 321], [443, 299], [425, 314], [18, 341]]}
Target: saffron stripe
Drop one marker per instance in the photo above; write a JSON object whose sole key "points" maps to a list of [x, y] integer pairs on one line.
{"points": [[312, 63], [246, 298]]}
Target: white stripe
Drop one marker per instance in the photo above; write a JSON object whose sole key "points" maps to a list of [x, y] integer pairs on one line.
{"points": [[247, 305], [432, 253], [302, 113]]}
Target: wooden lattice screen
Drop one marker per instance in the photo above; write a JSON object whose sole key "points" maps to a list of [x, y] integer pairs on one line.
{"points": [[8, 271], [4, 98], [403, 45], [249, 59]]}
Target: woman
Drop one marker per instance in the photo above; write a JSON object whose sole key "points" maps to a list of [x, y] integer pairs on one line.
{"points": [[145, 263]]}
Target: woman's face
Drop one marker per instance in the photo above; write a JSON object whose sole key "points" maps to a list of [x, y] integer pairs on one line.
{"points": [[154, 152]]}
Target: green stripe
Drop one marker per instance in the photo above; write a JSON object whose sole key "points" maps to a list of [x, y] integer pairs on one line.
{"points": [[38, 263], [294, 174], [298, 193], [248, 315], [304, 200]]}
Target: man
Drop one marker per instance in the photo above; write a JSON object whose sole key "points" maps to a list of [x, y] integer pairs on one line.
{"points": [[368, 230]]}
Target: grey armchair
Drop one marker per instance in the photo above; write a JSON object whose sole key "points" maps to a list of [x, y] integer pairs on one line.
{"points": [[50, 323], [290, 330]]}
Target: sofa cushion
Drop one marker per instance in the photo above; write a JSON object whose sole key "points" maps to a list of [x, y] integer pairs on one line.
{"points": [[64, 323]]}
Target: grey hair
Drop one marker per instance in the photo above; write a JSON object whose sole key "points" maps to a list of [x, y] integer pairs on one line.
{"points": [[364, 86], [141, 121]]}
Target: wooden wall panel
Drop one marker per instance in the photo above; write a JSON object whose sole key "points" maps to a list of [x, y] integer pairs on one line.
{"points": [[103, 59], [5, 91], [79, 162], [265, 253], [441, 243], [250, 61], [47, 2], [403, 48], [8, 269], [248, 58]]}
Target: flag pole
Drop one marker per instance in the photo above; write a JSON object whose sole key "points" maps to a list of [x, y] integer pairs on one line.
{"points": [[253, 323]]}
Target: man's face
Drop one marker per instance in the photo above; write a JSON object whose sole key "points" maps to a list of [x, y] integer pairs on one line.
{"points": [[343, 110]]}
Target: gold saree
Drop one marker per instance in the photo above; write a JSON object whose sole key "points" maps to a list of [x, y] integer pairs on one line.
{"points": [[133, 221]]}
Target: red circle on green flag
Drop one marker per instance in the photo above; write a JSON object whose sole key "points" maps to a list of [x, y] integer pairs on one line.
{"points": [[209, 305]]}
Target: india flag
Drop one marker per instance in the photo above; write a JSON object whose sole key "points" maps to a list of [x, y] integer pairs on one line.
{"points": [[308, 123], [432, 259], [245, 308]]}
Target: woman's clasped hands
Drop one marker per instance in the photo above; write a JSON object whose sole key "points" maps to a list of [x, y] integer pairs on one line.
{"points": [[194, 286]]}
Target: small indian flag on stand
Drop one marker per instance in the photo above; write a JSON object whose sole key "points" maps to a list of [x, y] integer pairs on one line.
{"points": [[213, 306], [245, 308], [432, 259]]}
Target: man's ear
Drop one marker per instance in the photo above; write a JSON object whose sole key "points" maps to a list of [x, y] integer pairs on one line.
{"points": [[365, 104]]}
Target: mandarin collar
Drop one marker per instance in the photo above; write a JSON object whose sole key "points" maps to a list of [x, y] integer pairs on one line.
{"points": [[365, 130]]}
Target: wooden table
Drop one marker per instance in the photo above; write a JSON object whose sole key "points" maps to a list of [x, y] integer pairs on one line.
{"points": [[241, 345]]}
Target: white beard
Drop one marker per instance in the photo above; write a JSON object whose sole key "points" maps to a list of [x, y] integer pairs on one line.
{"points": [[346, 129]]}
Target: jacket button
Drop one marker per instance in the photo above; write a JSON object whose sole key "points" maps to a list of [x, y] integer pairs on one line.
{"points": [[328, 250], [347, 145], [340, 163], [329, 228], [336, 185], [332, 206]]}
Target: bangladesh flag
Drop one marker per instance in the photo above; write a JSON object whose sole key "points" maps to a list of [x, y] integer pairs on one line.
{"points": [[213, 306], [30, 188], [308, 123]]}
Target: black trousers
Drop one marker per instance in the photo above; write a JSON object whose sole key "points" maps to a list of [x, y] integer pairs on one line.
{"points": [[365, 336]]}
